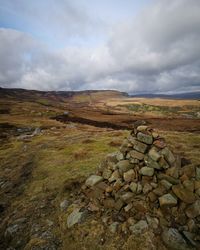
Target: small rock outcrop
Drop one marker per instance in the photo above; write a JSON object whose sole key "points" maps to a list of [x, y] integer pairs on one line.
{"points": [[145, 186]]}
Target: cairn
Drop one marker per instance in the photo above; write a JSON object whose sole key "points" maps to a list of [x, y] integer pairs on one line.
{"points": [[145, 185]]}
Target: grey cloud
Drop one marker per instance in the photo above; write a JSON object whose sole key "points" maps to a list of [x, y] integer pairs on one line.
{"points": [[158, 51]]}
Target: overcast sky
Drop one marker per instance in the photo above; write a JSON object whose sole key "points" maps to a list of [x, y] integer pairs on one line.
{"points": [[129, 45]]}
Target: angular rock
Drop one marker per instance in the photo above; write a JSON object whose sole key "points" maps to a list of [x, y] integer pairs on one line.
{"points": [[127, 197], [119, 204], [163, 163], [168, 178], [64, 205], [174, 240], [139, 188], [147, 188], [183, 194], [193, 210], [189, 184], [139, 227], [106, 173], [148, 139], [129, 175], [109, 203], [153, 164], [173, 172], [154, 155], [140, 147], [198, 173], [117, 185], [167, 200], [136, 155], [119, 156], [74, 218], [133, 187], [124, 166], [113, 227], [147, 171], [168, 155], [93, 180], [167, 185], [160, 143], [115, 176]]}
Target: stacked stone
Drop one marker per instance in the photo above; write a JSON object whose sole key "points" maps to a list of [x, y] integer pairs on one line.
{"points": [[146, 182]]}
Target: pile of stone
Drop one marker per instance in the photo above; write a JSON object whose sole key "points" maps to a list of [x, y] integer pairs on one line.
{"points": [[147, 186]]}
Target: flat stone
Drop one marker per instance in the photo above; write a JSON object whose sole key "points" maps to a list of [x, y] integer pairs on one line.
{"points": [[119, 204], [148, 139], [167, 200], [147, 171], [140, 147], [183, 194], [124, 166], [136, 155], [168, 155], [133, 187], [128, 207], [74, 218], [160, 143], [190, 237], [154, 154], [120, 156], [139, 188], [139, 227], [174, 240], [189, 170], [152, 197], [159, 191], [129, 175], [193, 210], [112, 157], [117, 185], [93, 180]]}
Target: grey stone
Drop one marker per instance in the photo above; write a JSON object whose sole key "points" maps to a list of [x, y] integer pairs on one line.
{"points": [[198, 173], [167, 200], [75, 217], [142, 128], [148, 139], [139, 227], [107, 173], [154, 154], [147, 171], [133, 187], [139, 146], [124, 166], [166, 184], [127, 197], [174, 240], [115, 176], [168, 178], [136, 155], [120, 156], [129, 175], [153, 164], [189, 237], [163, 163], [93, 180], [113, 227], [139, 188], [168, 155], [64, 205], [147, 188], [193, 210]]}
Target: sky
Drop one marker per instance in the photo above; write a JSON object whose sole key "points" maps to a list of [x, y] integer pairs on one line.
{"points": [[136, 46]]}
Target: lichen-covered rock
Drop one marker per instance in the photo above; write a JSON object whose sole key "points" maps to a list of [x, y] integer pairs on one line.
{"points": [[193, 210], [139, 227]]}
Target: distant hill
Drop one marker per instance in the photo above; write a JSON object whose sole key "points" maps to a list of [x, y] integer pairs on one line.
{"points": [[190, 95]]}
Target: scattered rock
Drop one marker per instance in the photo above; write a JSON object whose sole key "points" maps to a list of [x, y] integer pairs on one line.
{"points": [[193, 210], [147, 171], [75, 217], [167, 200], [139, 227]]}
